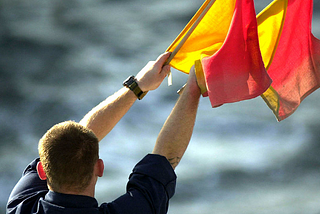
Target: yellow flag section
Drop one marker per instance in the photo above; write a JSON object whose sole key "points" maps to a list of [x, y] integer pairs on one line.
{"points": [[208, 36], [270, 25]]}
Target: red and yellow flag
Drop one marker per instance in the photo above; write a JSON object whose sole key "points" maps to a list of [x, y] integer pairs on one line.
{"points": [[295, 67], [225, 46], [226, 43]]}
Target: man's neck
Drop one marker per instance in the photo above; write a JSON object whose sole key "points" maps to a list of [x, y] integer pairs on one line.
{"points": [[89, 191]]}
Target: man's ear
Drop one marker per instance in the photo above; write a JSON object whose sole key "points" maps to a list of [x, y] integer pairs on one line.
{"points": [[42, 175], [99, 168]]}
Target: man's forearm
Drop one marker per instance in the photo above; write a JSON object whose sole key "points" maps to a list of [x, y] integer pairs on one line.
{"points": [[102, 118], [176, 133]]}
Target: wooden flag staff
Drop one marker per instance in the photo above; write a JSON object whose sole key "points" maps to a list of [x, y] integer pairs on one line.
{"points": [[186, 36]]}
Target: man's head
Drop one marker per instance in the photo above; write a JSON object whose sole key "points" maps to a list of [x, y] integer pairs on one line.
{"points": [[68, 154]]}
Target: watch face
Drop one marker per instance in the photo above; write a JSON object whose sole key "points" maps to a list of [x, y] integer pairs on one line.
{"points": [[129, 81]]}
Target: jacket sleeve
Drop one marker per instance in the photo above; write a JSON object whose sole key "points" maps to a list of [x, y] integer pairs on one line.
{"points": [[28, 190], [151, 184]]}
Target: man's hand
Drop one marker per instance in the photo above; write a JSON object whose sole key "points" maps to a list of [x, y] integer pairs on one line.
{"points": [[152, 75], [192, 84]]}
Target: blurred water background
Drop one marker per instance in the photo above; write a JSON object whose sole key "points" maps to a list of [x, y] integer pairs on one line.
{"points": [[59, 58]]}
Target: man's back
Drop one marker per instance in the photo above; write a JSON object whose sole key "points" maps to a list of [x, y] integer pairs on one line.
{"points": [[149, 189]]}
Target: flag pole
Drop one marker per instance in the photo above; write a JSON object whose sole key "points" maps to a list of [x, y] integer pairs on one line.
{"points": [[187, 35], [184, 39]]}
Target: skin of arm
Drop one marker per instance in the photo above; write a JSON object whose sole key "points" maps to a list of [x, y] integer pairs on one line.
{"points": [[102, 118], [176, 132]]}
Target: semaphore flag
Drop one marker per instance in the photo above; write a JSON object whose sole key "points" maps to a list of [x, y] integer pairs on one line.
{"points": [[225, 50], [294, 63]]}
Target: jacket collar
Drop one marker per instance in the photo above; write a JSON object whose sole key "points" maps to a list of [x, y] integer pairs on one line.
{"points": [[71, 201]]}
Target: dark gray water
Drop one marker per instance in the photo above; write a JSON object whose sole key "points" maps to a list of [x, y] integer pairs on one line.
{"points": [[60, 58]]}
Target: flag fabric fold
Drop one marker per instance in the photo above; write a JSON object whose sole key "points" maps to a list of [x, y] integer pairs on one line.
{"points": [[270, 26], [236, 71]]}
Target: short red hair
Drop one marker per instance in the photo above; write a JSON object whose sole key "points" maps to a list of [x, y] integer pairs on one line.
{"points": [[68, 152]]}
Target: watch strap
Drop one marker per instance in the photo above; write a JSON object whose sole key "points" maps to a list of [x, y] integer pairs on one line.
{"points": [[132, 84]]}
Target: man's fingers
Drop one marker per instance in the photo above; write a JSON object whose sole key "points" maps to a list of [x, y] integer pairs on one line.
{"points": [[163, 58]]}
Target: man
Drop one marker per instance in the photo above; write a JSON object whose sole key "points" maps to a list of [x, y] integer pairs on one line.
{"points": [[63, 179]]}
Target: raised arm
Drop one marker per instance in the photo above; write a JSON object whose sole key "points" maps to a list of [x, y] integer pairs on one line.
{"points": [[102, 118], [176, 133]]}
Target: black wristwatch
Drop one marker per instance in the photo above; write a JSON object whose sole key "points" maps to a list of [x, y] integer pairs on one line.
{"points": [[132, 84]]}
